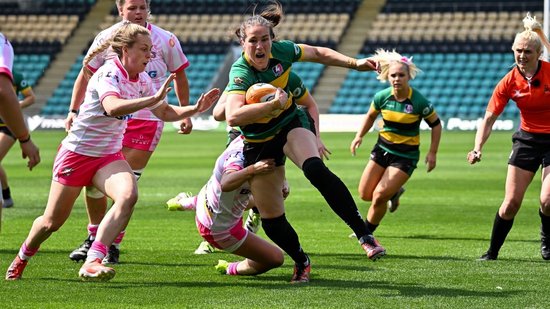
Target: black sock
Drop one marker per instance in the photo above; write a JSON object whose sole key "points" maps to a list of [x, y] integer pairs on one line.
{"points": [[336, 194], [255, 210], [370, 226], [283, 235], [6, 193], [545, 224], [501, 228]]}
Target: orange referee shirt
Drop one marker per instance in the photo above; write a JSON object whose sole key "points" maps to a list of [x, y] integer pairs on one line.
{"points": [[531, 97]]}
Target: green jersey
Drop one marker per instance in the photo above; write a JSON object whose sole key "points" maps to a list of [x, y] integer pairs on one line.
{"points": [[400, 134], [243, 75]]}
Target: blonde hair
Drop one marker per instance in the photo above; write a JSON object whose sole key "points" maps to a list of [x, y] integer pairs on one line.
{"points": [[270, 17], [533, 33], [125, 36], [385, 58]]}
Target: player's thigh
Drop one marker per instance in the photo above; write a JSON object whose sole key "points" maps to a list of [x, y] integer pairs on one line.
{"points": [[267, 192], [301, 145], [117, 180], [6, 142], [260, 250], [369, 179]]}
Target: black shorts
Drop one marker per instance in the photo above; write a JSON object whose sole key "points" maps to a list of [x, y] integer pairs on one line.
{"points": [[273, 148], [530, 150], [5, 130], [386, 159]]}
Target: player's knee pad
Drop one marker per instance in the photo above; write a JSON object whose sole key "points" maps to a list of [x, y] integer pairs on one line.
{"points": [[94, 192], [137, 173]]}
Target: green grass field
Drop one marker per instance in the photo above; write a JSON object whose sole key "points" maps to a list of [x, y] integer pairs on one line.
{"points": [[442, 226]]}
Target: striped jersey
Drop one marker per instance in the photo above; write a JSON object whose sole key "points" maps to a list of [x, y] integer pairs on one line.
{"points": [[400, 134], [167, 56], [217, 210], [93, 133], [243, 75]]}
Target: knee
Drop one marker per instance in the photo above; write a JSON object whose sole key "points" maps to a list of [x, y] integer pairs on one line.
{"points": [[509, 209], [380, 197], [545, 206], [365, 196], [49, 225], [277, 259], [127, 199]]}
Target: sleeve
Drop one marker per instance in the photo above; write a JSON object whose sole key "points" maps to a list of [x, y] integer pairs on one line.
{"points": [[426, 108], [376, 103], [6, 57], [107, 84], [174, 57], [240, 79], [287, 51], [234, 161], [296, 86], [21, 84], [500, 97], [96, 62]]}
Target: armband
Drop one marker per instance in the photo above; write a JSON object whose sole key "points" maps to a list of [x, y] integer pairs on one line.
{"points": [[435, 123]]}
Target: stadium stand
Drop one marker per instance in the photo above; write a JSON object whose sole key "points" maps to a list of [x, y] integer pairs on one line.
{"points": [[463, 48]]}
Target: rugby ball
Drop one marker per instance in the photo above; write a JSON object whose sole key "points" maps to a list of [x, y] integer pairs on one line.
{"points": [[260, 92]]}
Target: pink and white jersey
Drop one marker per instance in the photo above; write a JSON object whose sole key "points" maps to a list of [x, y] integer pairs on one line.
{"points": [[167, 56], [93, 133], [220, 211], [6, 57]]}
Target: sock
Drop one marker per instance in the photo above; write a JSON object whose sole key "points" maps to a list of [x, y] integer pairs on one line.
{"points": [[118, 239], [545, 224], [92, 230], [336, 194], [6, 193], [283, 235], [501, 228], [97, 251], [255, 210], [26, 253], [232, 269], [370, 226]]}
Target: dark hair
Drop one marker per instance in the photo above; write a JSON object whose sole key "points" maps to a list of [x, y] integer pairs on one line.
{"points": [[269, 17]]}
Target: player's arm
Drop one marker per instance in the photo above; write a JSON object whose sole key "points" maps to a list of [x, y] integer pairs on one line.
{"points": [[431, 157], [482, 135], [28, 97], [367, 123], [77, 97], [328, 56], [181, 87], [233, 179], [237, 113]]}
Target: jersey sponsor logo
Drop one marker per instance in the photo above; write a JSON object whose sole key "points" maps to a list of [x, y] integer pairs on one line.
{"points": [[152, 74], [518, 94], [171, 42], [297, 92], [278, 70], [123, 117], [237, 80], [296, 49]]}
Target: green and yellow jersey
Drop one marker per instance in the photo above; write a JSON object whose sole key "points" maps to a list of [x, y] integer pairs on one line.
{"points": [[400, 134]]}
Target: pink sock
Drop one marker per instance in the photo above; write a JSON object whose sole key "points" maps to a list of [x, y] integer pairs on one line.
{"points": [[26, 253], [92, 230], [232, 269], [97, 251], [119, 238]]}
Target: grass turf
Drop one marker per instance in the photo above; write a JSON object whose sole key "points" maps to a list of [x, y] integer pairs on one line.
{"points": [[442, 226]]}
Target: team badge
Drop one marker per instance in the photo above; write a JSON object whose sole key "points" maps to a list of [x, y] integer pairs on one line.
{"points": [[408, 108], [278, 70]]}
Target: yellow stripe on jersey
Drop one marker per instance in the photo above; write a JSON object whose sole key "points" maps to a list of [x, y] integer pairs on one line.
{"points": [[401, 139], [399, 117]]}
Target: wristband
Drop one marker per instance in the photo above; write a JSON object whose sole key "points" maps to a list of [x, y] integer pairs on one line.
{"points": [[352, 63], [74, 111], [23, 141]]}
